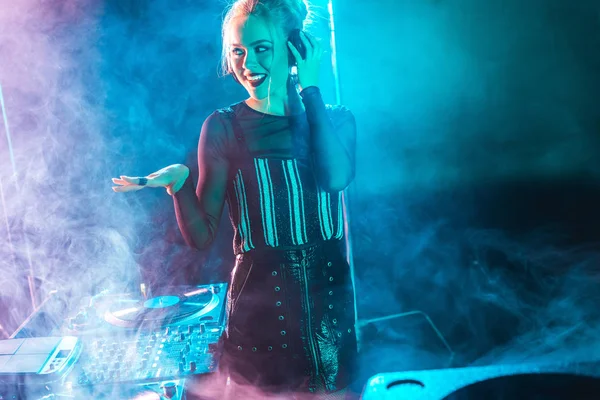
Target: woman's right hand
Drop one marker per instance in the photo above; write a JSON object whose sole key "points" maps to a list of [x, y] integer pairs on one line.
{"points": [[171, 178]]}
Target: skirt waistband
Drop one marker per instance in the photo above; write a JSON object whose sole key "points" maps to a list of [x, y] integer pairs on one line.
{"points": [[283, 254]]}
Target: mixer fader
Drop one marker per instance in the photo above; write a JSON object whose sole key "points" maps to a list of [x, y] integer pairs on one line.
{"points": [[171, 352]]}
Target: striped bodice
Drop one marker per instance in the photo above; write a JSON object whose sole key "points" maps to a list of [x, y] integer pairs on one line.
{"points": [[273, 196], [278, 203]]}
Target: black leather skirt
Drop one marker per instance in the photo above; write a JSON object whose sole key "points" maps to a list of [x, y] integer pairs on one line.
{"points": [[291, 320]]}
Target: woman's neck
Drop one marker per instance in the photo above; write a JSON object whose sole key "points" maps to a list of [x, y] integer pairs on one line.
{"points": [[278, 105]]}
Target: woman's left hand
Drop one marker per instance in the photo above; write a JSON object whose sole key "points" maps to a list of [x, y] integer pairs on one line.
{"points": [[309, 67]]}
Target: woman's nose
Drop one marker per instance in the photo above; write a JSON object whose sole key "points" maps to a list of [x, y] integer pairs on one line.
{"points": [[249, 61]]}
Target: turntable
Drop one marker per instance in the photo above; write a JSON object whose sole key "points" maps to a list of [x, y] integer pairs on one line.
{"points": [[134, 342], [567, 379], [189, 305], [182, 305]]}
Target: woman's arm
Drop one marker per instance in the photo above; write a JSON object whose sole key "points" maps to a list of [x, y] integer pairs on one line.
{"points": [[333, 141], [198, 212]]}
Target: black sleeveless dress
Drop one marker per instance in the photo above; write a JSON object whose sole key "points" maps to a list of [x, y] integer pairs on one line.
{"points": [[290, 305]]}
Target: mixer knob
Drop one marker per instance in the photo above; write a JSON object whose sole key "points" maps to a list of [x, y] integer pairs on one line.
{"points": [[169, 389], [187, 347], [181, 367], [192, 366], [190, 329], [202, 329], [182, 336], [167, 330]]}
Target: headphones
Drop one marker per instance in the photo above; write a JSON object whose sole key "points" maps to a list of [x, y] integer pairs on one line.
{"points": [[294, 38]]}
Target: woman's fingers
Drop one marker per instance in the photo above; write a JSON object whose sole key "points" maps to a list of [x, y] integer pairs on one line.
{"points": [[159, 178], [315, 43], [136, 180], [127, 184], [295, 52], [307, 39], [124, 189], [308, 45], [131, 180], [120, 181]]}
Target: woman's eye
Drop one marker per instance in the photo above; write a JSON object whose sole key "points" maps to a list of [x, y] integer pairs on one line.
{"points": [[237, 52], [261, 49]]}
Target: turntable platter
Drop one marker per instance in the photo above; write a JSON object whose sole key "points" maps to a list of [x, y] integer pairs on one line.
{"points": [[161, 310]]}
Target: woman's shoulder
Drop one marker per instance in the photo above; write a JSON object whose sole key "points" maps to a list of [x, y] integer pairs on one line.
{"points": [[218, 120], [229, 110], [224, 112], [218, 131]]}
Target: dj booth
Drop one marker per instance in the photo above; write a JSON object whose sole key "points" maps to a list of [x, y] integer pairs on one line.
{"points": [[137, 347]]}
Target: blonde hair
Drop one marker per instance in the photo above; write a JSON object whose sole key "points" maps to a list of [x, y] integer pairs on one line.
{"points": [[286, 14]]}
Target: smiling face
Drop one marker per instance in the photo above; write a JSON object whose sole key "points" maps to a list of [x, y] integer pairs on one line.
{"points": [[258, 56]]}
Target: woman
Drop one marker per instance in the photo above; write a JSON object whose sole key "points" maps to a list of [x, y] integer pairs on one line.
{"points": [[280, 160]]}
